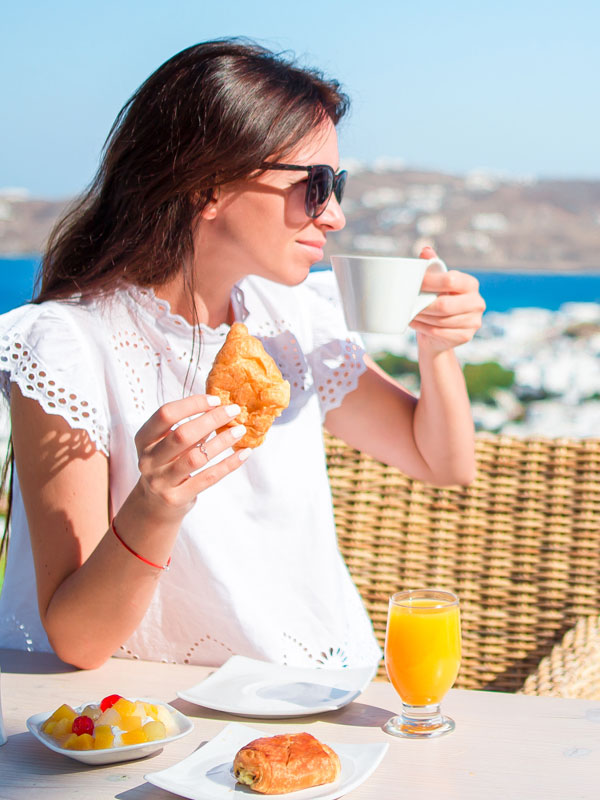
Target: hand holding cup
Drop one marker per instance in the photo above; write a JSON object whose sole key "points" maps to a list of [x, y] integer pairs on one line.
{"points": [[386, 295], [455, 315]]}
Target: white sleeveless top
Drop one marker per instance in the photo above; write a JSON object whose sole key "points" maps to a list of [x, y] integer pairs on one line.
{"points": [[255, 569]]}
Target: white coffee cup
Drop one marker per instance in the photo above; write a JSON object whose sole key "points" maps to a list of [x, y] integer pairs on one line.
{"points": [[382, 294]]}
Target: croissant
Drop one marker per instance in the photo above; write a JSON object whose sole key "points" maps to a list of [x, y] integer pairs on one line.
{"points": [[286, 763], [244, 373]]}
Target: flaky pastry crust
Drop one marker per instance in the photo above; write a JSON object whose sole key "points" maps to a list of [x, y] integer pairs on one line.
{"points": [[286, 763], [244, 373]]}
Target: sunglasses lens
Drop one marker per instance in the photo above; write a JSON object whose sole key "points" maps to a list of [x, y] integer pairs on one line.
{"points": [[340, 185], [318, 190]]}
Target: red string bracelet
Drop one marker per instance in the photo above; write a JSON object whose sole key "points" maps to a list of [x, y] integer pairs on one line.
{"points": [[137, 555]]}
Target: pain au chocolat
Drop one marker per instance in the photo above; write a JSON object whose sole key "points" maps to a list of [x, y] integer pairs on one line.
{"points": [[286, 763], [244, 373]]}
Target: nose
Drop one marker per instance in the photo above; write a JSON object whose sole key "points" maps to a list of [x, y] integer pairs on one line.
{"points": [[333, 216]]}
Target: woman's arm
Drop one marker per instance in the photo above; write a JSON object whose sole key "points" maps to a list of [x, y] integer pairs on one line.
{"points": [[92, 592], [432, 437]]}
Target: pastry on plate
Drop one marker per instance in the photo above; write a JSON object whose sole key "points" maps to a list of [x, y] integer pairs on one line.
{"points": [[244, 373], [286, 763]]}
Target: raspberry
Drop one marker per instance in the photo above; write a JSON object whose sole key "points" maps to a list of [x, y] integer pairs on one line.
{"points": [[109, 701], [83, 725]]}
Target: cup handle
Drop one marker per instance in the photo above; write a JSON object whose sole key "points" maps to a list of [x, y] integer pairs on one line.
{"points": [[425, 299]]}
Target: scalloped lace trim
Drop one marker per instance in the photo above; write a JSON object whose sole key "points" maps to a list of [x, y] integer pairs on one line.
{"points": [[20, 366], [161, 313], [338, 376]]}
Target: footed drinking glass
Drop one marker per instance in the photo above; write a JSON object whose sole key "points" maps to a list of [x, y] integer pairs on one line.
{"points": [[422, 658]]}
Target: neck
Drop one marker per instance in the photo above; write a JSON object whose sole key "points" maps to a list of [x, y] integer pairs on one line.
{"points": [[216, 270], [212, 302]]}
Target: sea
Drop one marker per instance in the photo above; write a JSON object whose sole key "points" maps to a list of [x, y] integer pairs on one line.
{"points": [[502, 291]]}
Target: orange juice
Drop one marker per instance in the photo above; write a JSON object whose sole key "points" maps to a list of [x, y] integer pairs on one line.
{"points": [[422, 649]]}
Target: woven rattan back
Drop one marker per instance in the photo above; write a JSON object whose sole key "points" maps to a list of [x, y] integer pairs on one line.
{"points": [[521, 546], [573, 667]]}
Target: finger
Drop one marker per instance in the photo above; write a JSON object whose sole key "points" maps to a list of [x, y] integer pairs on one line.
{"points": [[202, 454], [469, 320], [449, 305], [170, 414], [194, 484], [452, 337], [180, 438], [451, 282], [428, 252]]}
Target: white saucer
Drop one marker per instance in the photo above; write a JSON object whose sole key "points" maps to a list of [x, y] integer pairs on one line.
{"points": [[250, 688], [207, 774], [112, 755]]}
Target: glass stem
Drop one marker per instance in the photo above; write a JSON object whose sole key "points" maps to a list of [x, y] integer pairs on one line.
{"points": [[423, 716]]}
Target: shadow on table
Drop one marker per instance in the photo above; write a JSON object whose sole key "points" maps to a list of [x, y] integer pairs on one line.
{"points": [[147, 791], [20, 746], [355, 713], [20, 661]]}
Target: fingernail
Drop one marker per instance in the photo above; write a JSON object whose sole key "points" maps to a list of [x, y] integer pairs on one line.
{"points": [[238, 431], [243, 454], [232, 410], [213, 400]]}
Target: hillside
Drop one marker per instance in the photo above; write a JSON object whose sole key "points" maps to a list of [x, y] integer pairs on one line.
{"points": [[477, 220]]}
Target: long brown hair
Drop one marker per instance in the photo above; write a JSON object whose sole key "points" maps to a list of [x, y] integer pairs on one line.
{"points": [[210, 115]]}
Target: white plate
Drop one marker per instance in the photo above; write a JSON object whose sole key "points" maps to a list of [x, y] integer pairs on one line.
{"points": [[112, 755], [208, 775], [251, 688]]}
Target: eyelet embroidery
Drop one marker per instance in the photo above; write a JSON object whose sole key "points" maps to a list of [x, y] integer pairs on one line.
{"points": [[33, 381], [285, 350], [330, 657], [27, 638], [207, 638], [334, 376], [130, 654], [130, 346], [333, 384]]}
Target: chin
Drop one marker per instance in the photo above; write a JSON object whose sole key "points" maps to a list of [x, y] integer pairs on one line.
{"points": [[291, 275]]}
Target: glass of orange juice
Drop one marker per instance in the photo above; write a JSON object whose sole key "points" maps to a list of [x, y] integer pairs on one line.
{"points": [[422, 657]]}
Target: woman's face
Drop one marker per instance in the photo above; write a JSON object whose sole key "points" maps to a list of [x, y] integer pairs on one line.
{"points": [[259, 226]]}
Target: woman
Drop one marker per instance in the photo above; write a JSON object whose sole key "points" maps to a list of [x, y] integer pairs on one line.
{"points": [[190, 224]]}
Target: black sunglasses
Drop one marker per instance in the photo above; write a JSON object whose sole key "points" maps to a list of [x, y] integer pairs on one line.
{"points": [[322, 183]]}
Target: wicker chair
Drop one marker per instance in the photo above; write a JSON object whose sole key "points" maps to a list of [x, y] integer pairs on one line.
{"points": [[573, 667], [521, 547]]}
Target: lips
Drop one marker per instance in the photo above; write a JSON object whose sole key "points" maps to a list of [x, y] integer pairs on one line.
{"points": [[314, 247], [318, 244]]}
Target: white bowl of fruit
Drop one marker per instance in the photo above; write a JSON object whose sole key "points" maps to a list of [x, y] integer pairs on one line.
{"points": [[115, 729]]}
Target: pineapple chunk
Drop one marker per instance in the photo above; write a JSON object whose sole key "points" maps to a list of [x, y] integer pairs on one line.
{"points": [[165, 716], [151, 710], [103, 737], [49, 726], [82, 742], [109, 717], [62, 712], [130, 723], [154, 730], [134, 737], [63, 727], [125, 707]]}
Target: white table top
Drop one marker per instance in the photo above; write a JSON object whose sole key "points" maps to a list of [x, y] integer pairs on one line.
{"points": [[510, 747]]}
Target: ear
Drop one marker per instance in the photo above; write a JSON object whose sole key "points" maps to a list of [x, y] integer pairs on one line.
{"points": [[210, 209]]}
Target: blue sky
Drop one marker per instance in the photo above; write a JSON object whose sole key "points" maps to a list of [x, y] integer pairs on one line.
{"points": [[510, 86]]}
